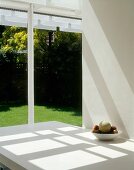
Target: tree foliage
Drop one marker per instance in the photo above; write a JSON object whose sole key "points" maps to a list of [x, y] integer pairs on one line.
{"points": [[13, 39], [57, 64]]}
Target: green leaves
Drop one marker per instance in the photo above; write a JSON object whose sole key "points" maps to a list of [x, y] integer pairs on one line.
{"points": [[14, 39]]}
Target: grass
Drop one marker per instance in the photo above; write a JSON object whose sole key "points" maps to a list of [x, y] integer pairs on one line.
{"points": [[15, 115]]}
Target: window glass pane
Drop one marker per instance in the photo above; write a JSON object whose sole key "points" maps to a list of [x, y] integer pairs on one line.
{"points": [[58, 74], [13, 71], [17, 18], [13, 18], [52, 22]]}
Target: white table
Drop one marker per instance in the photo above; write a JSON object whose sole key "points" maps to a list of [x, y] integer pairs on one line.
{"points": [[59, 146]]}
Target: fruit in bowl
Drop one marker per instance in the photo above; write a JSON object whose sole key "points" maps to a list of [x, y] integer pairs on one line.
{"points": [[105, 131], [104, 127]]}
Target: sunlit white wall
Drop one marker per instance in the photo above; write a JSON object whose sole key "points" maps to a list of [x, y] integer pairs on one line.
{"points": [[108, 63]]}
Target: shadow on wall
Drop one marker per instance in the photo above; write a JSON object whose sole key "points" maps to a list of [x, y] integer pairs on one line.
{"points": [[120, 24], [102, 88], [103, 68]]}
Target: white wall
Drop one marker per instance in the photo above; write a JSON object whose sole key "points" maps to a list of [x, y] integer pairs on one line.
{"points": [[108, 63]]}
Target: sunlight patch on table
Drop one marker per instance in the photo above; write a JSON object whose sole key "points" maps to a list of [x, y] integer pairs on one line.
{"points": [[66, 161], [128, 145], [33, 146], [72, 140], [17, 136], [48, 132], [67, 129], [106, 152], [88, 135]]}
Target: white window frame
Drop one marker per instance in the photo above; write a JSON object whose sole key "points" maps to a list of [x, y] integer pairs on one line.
{"points": [[30, 66]]}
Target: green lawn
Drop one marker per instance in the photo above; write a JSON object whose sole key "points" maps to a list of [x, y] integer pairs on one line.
{"points": [[16, 115]]}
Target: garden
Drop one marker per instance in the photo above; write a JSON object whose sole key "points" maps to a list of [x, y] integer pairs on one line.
{"points": [[57, 74]]}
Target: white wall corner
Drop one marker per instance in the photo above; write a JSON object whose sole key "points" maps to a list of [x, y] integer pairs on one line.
{"points": [[108, 60]]}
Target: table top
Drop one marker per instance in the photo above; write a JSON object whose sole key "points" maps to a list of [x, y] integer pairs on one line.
{"points": [[60, 146]]}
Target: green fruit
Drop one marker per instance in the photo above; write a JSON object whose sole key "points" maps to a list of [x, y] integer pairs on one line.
{"points": [[104, 126]]}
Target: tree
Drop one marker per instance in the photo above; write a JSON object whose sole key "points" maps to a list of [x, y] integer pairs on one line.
{"points": [[57, 64], [14, 39]]}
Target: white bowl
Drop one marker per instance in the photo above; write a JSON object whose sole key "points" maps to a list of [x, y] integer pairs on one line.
{"points": [[101, 136]]}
